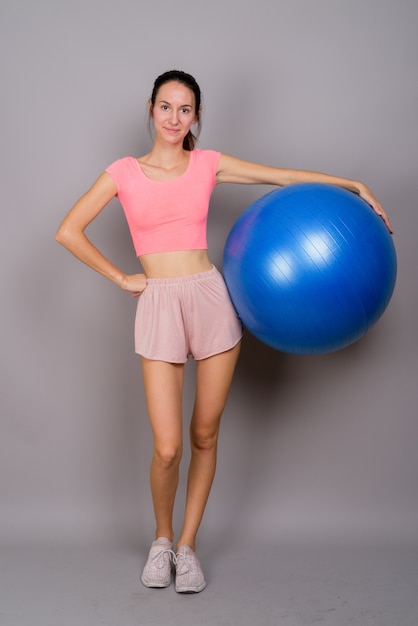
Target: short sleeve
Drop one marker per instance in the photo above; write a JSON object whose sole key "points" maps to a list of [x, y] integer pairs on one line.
{"points": [[117, 171], [214, 158], [210, 159]]}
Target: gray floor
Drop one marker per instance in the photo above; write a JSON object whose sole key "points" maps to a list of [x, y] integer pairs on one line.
{"points": [[289, 585]]}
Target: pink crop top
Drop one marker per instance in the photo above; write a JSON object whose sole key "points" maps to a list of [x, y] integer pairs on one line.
{"points": [[170, 215]]}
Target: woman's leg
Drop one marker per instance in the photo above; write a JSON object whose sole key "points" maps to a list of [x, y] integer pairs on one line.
{"points": [[214, 377], [163, 383]]}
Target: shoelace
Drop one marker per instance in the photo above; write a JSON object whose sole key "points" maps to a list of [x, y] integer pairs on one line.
{"points": [[160, 559], [183, 566]]}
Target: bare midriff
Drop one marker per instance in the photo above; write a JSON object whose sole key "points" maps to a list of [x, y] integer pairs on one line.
{"points": [[173, 264]]}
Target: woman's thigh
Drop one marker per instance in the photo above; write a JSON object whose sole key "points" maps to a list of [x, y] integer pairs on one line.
{"points": [[163, 384], [213, 381]]}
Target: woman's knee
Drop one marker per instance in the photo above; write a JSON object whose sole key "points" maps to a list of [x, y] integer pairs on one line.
{"points": [[204, 439], [168, 456]]}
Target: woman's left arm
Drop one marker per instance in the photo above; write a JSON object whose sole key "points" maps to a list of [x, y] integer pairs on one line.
{"points": [[233, 170]]}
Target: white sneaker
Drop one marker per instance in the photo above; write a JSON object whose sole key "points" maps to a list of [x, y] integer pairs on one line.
{"points": [[157, 570], [189, 575]]}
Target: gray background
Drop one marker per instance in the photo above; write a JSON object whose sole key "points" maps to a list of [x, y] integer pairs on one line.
{"points": [[310, 446]]}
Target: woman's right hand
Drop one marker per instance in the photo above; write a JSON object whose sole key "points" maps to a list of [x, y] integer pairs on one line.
{"points": [[135, 283]]}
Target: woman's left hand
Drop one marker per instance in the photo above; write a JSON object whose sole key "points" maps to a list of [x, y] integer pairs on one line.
{"points": [[367, 195]]}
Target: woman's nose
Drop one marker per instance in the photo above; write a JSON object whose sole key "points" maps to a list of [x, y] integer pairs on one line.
{"points": [[174, 117]]}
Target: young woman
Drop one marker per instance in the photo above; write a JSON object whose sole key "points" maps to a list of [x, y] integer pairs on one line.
{"points": [[183, 309]]}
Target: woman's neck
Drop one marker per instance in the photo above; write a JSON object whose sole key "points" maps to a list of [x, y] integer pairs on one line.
{"points": [[166, 156], [165, 164]]}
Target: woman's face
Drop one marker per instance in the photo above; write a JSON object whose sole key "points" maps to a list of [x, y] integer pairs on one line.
{"points": [[173, 113]]}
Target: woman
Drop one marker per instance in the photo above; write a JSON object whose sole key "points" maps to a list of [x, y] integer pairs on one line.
{"points": [[184, 308]]}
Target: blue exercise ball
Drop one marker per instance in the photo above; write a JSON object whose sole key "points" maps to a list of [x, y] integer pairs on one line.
{"points": [[310, 268]]}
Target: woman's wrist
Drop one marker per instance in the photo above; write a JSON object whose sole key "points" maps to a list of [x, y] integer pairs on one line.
{"points": [[120, 279], [361, 188]]}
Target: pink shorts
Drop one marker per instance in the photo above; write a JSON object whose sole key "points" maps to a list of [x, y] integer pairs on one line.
{"points": [[187, 316]]}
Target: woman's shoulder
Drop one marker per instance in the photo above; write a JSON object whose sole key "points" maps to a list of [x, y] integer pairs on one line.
{"points": [[205, 152], [207, 156], [123, 170], [126, 161]]}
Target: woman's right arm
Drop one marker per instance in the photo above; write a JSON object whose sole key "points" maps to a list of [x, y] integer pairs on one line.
{"points": [[71, 235]]}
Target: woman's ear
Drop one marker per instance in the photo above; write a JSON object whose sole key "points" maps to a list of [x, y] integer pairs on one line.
{"points": [[150, 107]]}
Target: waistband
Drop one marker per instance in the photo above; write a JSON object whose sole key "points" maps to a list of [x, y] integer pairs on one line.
{"points": [[188, 278]]}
